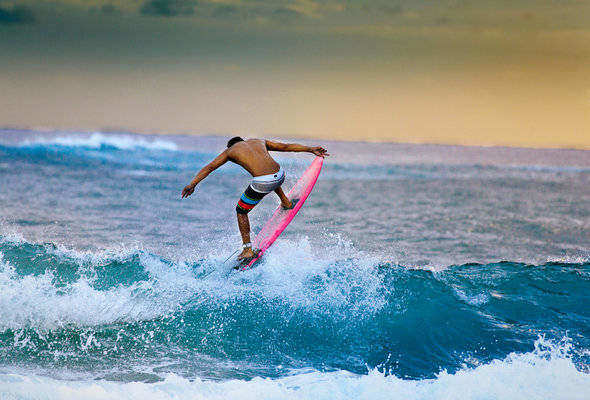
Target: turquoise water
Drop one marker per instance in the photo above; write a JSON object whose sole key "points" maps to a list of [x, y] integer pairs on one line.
{"points": [[413, 271]]}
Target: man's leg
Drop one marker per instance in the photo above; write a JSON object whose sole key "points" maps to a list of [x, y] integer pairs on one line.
{"points": [[247, 202], [285, 202], [244, 225]]}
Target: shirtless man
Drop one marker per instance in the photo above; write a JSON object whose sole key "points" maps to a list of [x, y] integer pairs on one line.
{"points": [[252, 155]]}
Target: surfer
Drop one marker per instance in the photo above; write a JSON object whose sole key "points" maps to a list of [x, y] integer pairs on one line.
{"points": [[268, 176]]}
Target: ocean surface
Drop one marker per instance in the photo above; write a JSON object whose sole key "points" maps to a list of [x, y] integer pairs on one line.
{"points": [[412, 272]]}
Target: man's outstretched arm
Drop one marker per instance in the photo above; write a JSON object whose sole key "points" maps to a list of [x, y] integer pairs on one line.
{"points": [[278, 146], [203, 173]]}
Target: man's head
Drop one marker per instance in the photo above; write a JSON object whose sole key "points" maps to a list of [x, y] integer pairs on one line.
{"points": [[233, 141]]}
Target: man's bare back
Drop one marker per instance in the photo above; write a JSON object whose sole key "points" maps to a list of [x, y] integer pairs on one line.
{"points": [[253, 155]]}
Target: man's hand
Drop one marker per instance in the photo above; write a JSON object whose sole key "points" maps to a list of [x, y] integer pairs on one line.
{"points": [[187, 191], [319, 151]]}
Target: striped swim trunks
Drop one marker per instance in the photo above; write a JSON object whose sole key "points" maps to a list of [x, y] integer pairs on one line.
{"points": [[258, 188]]}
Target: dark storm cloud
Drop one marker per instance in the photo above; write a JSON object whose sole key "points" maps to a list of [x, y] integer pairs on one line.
{"points": [[16, 15], [168, 8]]}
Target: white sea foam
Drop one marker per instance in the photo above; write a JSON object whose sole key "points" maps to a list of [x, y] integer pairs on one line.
{"points": [[473, 299], [34, 301], [96, 140], [296, 272], [12, 237], [570, 259], [545, 373], [93, 257], [293, 273]]}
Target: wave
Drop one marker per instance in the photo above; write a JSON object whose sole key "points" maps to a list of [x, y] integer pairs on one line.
{"points": [[66, 292], [97, 151], [145, 154], [547, 372], [60, 286], [99, 140], [294, 273], [336, 308]]}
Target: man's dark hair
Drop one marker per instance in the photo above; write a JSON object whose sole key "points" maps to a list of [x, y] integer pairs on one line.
{"points": [[233, 141]]}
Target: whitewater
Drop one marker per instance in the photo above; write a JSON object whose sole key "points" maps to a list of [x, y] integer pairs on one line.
{"points": [[412, 272]]}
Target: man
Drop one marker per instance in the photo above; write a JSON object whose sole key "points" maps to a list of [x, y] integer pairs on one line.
{"points": [[268, 176]]}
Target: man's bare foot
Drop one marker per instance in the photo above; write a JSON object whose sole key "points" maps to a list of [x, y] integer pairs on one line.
{"points": [[289, 206], [246, 253]]}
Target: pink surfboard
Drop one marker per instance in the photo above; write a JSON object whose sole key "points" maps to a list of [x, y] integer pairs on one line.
{"points": [[281, 218]]}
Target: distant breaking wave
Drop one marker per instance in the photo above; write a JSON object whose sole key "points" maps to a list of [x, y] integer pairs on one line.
{"points": [[99, 140]]}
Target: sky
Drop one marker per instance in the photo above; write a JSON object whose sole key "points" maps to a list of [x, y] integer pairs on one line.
{"points": [[494, 72]]}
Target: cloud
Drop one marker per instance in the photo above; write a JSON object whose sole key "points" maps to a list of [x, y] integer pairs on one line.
{"points": [[16, 15], [168, 8]]}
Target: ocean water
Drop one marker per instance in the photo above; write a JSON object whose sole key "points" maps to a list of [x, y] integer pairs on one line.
{"points": [[412, 272]]}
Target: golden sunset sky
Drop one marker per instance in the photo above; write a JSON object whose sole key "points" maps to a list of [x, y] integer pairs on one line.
{"points": [[491, 72]]}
